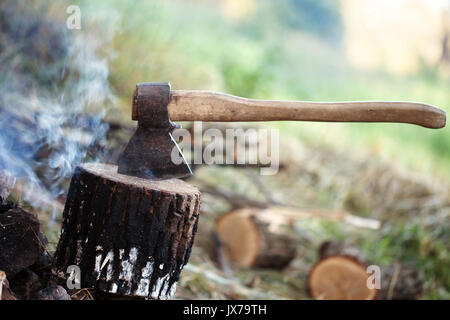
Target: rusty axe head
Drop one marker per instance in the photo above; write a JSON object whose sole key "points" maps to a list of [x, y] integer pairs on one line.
{"points": [[150, 150]]}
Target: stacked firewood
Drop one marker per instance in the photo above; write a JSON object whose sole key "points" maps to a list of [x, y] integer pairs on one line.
{"points": [[24, 261]]}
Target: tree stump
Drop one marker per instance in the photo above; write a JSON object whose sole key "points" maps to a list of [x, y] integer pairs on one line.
{"points": [[341, 274], [249, 241], [129, 236]]}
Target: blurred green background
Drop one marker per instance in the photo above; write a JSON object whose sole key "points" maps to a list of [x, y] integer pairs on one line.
{"points": [[298, 49]]}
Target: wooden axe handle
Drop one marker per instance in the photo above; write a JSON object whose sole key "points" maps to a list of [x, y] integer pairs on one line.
{"points": [[188, 105]]}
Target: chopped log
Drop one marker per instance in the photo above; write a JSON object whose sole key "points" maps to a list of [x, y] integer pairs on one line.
{"points": [[25, 284], [251, 242], [341, 273], [340, 278], [42, 268], [6, 206], [129, 236], [22, 240]]}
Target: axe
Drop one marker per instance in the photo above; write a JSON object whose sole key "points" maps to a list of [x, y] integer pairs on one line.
{"points": [[149, 152]]}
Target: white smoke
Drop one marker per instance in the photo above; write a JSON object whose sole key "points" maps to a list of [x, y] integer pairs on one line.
{"points": [[54, 94]]}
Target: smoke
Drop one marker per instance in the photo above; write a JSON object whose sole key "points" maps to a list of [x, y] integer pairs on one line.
{"points": [[54, 94]]}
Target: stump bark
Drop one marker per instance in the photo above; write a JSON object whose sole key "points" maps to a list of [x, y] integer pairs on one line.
{"points": [[129, 236], [341, 274], [249, 241]]}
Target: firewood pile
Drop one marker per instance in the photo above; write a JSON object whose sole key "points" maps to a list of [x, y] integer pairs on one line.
{"points": [[24, 261]]}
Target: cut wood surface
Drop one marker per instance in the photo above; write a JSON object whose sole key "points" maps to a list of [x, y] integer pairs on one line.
{"points": [[249, 241], [129, 236], [340, 278], [186, 105], [341, 273]]}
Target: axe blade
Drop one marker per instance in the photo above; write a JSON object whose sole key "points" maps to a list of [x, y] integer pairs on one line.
{"points": [[149, 155], [152, 151]]}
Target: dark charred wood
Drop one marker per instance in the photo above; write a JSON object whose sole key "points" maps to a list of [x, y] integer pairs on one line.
{"points": [[25, 284], [22, 240], [7, 205], [52, 293], [129, 236], [42, 268], [43, 263]]}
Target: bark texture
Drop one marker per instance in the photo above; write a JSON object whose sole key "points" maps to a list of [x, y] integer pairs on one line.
{"points": [[129, 236]]}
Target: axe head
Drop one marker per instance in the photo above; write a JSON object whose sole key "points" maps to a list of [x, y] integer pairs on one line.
{"points": [[152, 153]]}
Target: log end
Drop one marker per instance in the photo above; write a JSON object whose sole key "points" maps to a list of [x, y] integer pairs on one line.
{"points": [[340, 278], [240, 237], [249, 241]]}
